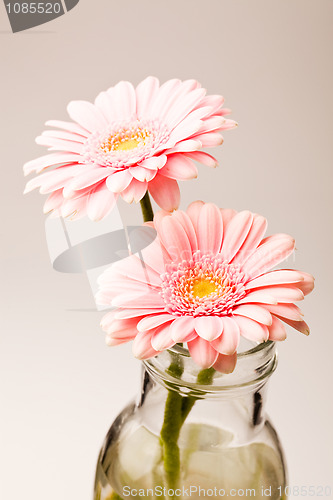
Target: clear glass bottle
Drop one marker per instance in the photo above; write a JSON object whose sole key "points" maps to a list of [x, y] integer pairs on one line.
{"points": [[227, 446]]}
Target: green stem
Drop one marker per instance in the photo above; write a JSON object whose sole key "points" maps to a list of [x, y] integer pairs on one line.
{"points": [[205, 377], [169, 437], [147, 210], [177, 408], [172, 424]]}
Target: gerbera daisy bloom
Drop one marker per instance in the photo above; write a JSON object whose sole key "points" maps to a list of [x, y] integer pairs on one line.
{"points": [[129, 141], [205, 281]]}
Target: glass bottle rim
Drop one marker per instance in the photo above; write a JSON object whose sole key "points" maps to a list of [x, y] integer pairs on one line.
{"points": [[253, 367]]}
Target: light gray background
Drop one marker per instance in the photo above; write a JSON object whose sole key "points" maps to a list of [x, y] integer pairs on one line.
{"points": [[61, 386]]}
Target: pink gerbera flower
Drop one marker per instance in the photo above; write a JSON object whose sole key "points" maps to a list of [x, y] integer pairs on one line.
{"points": [[204, 281], [129, 141]]}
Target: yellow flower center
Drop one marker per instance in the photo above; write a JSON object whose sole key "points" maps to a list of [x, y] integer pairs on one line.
{"points": [[126, 140], [203, 287], [127, 145]]}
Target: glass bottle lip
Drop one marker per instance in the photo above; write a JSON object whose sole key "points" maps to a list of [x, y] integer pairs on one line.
{"points": [[254, 366]]}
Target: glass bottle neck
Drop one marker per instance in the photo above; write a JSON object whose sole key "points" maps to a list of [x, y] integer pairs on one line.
{"points": [[233, 402], [175, 370]]}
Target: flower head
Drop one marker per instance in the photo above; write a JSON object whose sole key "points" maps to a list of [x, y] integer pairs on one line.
{"points": [[129, 141], [205, 281]]}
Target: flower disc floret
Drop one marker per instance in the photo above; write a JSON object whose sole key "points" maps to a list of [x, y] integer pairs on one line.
{"points": [[205, 285], [125, 143]]}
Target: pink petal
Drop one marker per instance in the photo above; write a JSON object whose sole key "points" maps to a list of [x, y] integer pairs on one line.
{"points": [[228, 124], [154, 162], [177, 95], [164, 99], [87, 115], [301, 326], [134, 313], [88, 177], [210, 229], [174, 238], [59, 144], [179, 167], [151, 322], [112, 273], [120, 328], [227, 215], [186, 104], [284, 294], [114, 287], [262, 296], [112, 342], [251, 329], [193, 211], [307, 284], [150, 223], [212, 124], [100, 202], [187, 225], [81, 209], [228, 342], [186, 146], [211, 139], [181, 328], [202, 352], [142, 348], [270, 252], [65, 136], [158, 216], [189, 85], [118, 103], [135, 301], [165, 192], [278, 277], [203, 158], [208, 327], [52, 180], [142, 174], [69, 126], [105, 103], [153, 256], [49, 160], [225, 364], [118, 181], [257, 313], [124, 100], [186, 128], [53, 202], [201, 113], [135, 191], [161, 338], [254, 237], [235, 234], [137, 269], [214, 101], [286, 311], [146, 92], [71, 207], [277, 331], [107, 319]]}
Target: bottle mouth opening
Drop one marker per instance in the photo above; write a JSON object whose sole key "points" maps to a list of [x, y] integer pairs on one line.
{"points": [[255, 363]]}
